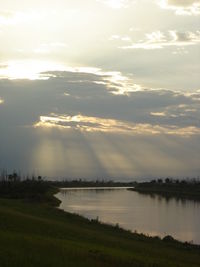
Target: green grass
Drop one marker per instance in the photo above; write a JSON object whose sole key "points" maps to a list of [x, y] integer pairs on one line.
{"points": [[37, 234]]}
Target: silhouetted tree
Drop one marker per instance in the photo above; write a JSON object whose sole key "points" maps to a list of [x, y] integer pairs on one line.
{"points": [[167, 180]]}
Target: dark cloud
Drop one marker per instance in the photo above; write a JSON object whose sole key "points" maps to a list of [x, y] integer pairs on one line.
{"points": [[73, 124], [90, 95]]}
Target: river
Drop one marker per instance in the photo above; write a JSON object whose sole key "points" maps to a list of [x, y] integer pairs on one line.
{"points": [[151, 215]]}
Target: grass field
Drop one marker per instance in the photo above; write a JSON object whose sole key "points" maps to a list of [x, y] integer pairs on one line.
{"points": [[35, 234]]}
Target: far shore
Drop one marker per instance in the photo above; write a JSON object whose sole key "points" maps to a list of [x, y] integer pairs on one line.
{"points": [[169, 188]]}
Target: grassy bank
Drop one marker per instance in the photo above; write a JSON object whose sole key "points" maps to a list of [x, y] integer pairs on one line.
{"points": [[34, 233]]}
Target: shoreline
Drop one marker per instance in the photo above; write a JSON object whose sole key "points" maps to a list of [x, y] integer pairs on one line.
{"points": [[167, 194], [167, 237], [96, 188]]}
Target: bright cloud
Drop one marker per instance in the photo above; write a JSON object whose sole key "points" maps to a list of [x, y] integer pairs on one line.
{"points": [[27, 69], [182, 7], [159, 114], [159, 40], [96, 124]]}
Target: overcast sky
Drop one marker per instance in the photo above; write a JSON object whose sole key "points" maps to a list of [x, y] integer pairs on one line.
{"points": [[100, 88]]}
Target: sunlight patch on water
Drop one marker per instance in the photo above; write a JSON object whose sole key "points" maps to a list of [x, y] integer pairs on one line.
{"points": [[94, 207]]}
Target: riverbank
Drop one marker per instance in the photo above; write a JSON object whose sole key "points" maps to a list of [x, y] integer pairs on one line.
{"points": [[170, 189], [35, 233]]}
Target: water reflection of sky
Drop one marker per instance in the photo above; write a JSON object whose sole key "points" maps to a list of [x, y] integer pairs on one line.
{"points": [[134, 211]]}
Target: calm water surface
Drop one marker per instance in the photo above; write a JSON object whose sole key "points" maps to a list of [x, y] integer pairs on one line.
{"points": [[134, 211]]}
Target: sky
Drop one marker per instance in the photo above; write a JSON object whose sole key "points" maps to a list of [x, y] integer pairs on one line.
{"points": [[100, 89]]}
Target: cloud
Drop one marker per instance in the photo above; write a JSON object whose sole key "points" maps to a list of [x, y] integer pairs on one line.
{"points": [[96, 124], [93, 93], [1, 101], [159, 40], [121, 38], [73, 124], [114, 81], [182, 7], [27, 69], [114, 98], [159, 114]]}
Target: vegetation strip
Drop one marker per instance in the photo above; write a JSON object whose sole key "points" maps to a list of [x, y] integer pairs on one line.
{"points": [[170, 188]]}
